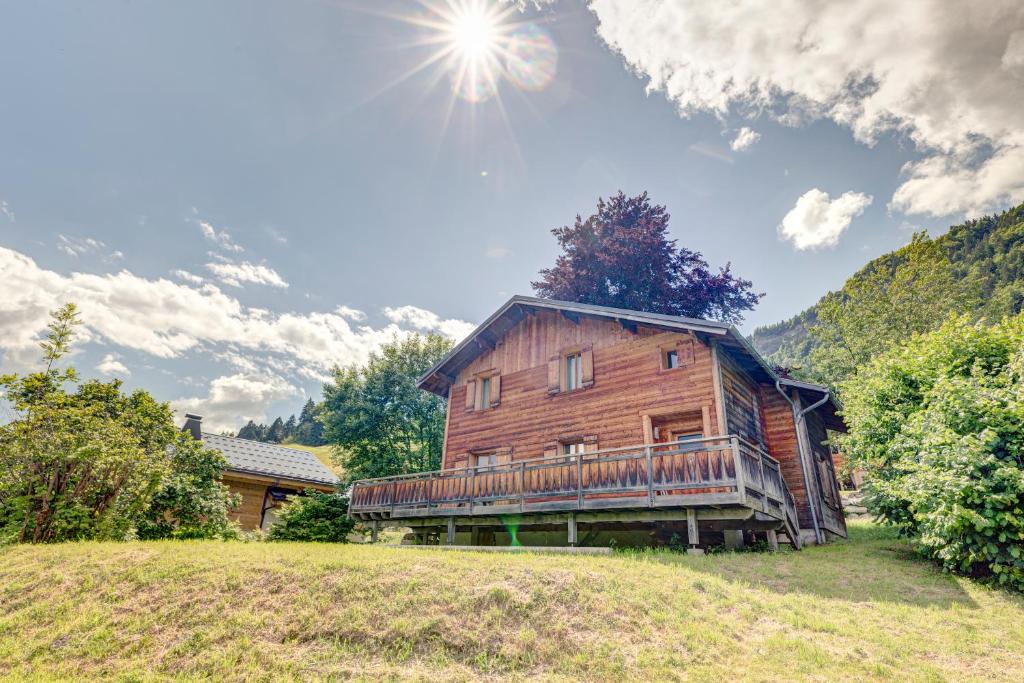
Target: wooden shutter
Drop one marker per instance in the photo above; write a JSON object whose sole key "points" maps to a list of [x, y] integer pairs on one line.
{"points": [[495, 390], [590, 444], [551, 449], [685, 351], [471, 394], [587, 363], [554, 375], [504, 456]]}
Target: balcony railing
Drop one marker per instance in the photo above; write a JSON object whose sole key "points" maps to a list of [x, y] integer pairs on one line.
{"points": [[716, 471]]}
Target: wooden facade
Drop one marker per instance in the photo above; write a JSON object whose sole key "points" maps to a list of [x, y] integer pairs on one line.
{"points": [[568, 408], [261, 496]]}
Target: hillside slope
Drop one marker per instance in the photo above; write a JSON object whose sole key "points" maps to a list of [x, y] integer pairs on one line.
{"points": [[862, 610], [989, 250]]}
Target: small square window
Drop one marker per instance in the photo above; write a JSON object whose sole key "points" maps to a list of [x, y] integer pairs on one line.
{"points": [[573, 447], [485, 459], [671, 359]]}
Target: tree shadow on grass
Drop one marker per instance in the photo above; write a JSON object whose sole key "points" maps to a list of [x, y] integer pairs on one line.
{"points": [[873, 565]]}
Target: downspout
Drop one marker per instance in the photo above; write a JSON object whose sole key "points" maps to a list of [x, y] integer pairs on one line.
{"points": [[799, 415]]}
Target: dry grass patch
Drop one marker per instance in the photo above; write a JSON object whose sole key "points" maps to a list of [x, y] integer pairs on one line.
{"points": [[858, 610]]}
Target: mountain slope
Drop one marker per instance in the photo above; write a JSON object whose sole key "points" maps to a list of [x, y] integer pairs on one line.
{"points": [[989, 250]]}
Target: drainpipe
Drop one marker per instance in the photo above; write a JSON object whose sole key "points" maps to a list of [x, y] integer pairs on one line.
{"points": [[799, 415]]}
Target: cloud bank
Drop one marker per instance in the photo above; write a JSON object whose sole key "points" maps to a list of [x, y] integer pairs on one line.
{"points": [[948, 74]]}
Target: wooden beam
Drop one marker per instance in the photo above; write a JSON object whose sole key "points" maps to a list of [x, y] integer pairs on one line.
{"points": [[572, 529], [573, 317], [692, 532], [628, 325], [451, 531]]}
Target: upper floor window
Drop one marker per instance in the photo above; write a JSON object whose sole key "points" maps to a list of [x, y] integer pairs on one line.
{"points": [[573, 363], [677, 355], [570, 370], [573, 447], [483, 391]]}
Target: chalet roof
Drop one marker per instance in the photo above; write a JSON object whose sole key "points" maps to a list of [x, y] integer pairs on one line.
{"points": [[440, 377], [255, 457]]}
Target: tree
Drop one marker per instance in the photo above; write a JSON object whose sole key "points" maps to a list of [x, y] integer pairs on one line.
{"points": [[310, 430], [621, 256], [939, 425], [192, 501], [313, 516], [249, 431], [381, 423], [289, 429], [914, 291], [84, 463], [276, 432]]}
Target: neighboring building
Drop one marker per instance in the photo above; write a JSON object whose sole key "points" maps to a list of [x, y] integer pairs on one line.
{"points": [[264, 474], [586, 423]]}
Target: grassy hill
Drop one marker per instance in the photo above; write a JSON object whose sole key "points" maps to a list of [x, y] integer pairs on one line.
{"points": [[860, 610], [988, 250], [323, 453]]}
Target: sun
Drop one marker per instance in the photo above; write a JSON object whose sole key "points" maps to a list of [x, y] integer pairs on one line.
{"points": [[474, 32]]}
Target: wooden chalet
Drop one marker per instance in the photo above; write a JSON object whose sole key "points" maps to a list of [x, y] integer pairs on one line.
{"points": [[593, 425], [265, 475]]}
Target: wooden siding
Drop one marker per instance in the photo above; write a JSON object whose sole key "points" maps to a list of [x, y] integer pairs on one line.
{"points": [[247, 514], [253, 489], [743, 414], [629, 382], [831, 506], [780, 433]]}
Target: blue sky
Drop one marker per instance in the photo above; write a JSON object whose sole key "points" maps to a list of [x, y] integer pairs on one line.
{"points": [[241, 194]]}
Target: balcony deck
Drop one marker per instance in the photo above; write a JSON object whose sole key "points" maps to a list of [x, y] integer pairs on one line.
{"points": [[687, 475]]}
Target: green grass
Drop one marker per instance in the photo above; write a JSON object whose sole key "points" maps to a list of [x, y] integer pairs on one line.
{"points": [[323, 453], [861, 610]]}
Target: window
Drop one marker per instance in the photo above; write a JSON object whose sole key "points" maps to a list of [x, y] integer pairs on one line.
{"points": [[573, 365], [671, 359], [484, 459], [485, 393], [677, 355], [573, 447]]}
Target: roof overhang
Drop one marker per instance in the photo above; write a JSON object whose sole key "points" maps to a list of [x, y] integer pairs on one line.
{"points": [[441, 376]]}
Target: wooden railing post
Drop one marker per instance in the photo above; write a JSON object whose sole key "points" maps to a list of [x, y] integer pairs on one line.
{"points": [[472, 490], [650, 476], [522, 486], [737, 457], [579, 481], [430, 491]]}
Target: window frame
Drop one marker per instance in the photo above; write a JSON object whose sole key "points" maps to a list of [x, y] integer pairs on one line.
{"points": [[576, 358]]}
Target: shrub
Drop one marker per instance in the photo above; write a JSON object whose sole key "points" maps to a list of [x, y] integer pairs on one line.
{"points": [[939, 424], [313, 516]]}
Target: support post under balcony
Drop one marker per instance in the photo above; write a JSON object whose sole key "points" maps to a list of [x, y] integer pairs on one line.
{"points": [[450, 540], [572, 529]]}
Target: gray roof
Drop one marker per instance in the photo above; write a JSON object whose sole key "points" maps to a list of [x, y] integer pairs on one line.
{"points": [[254, 457]]}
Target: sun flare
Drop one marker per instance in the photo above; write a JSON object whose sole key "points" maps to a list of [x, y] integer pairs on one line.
{"points": [[474, 32]]}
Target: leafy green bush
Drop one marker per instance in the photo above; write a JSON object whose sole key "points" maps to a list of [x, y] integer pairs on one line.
{"points": [[313, 516], [939, 424], [84, 461]]}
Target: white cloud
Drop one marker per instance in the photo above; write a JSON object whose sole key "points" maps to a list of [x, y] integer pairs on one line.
{"points": [[949, 74], [187, 276], [76, 246], [234, 274], [233, 400], [745, 139], [219, 237], [426, 320], [817, 221], [110, 365], [5, 209], [168, 319], [497, 252]]}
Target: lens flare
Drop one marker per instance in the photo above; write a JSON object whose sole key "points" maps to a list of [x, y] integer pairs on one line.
{"points": [[531, 59]]}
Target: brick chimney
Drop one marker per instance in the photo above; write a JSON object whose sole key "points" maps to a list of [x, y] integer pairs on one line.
{"points": [[193, 424]]}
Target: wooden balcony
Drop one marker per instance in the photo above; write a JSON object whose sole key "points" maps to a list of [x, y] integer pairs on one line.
{"points": [[717, 472]]}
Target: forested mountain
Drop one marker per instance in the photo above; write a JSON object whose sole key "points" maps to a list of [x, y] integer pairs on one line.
{"points": [[977, 268]]}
